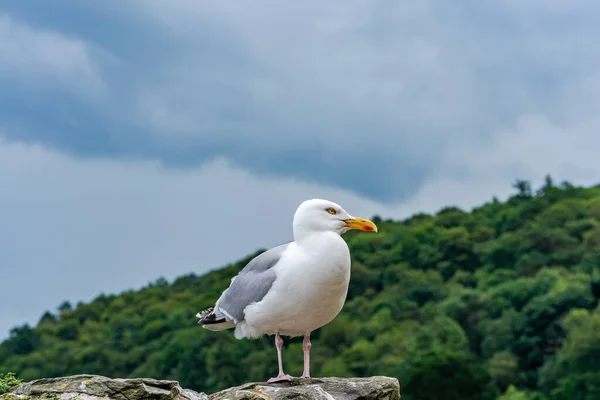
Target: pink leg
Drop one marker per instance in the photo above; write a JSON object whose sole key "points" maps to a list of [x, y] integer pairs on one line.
{"points": [[306, 346], [281, 376]]}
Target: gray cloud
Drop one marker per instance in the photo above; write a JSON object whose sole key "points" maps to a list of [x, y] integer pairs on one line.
{"points": [[378, 89]]}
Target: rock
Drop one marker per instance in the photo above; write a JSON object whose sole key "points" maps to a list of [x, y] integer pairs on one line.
{"points": [[94, 387], [372, 388]]}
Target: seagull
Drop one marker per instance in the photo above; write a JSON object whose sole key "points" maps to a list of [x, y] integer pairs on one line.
{"points": [[294, 288]]}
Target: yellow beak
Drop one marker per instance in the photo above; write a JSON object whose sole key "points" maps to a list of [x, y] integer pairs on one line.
{"points": [[361, 224]]}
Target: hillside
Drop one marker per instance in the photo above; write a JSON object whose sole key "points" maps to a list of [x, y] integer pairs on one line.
{"points": [[499, 302]]}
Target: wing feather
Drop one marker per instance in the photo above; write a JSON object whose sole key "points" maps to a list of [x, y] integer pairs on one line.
{"points": [[249, 286]]}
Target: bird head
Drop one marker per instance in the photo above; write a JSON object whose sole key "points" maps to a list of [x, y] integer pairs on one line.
{"points": [[318, 215]]}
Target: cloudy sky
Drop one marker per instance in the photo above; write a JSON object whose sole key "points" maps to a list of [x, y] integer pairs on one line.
{"points": [[153, 138]]}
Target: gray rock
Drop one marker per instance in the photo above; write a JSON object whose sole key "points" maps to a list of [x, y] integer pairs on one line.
{"points": [[94, 387], [372, 388]]}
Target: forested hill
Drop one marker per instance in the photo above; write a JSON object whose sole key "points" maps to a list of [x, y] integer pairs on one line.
{"points": [[499, 302]]}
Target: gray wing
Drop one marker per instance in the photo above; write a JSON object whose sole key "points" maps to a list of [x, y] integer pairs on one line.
{"points": [[250, 285]]}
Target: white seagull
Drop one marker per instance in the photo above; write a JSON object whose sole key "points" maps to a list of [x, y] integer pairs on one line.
{"points": [[295, 288]]}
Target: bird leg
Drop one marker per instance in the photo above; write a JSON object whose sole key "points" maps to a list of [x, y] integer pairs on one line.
{"points": [[306, 347], [281, 376]]}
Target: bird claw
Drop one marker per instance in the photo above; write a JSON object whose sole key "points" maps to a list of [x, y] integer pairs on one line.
{"points": [[280, 378]]}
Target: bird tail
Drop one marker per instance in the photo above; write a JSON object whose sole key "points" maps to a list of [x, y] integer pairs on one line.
{"points": [[214, 321]]}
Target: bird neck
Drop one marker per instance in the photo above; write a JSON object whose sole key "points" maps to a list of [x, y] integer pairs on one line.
{"points": [[304, 236]]}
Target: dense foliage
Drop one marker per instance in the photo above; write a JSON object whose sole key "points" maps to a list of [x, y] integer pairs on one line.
{"points": [[497, 303], [8, 381]]}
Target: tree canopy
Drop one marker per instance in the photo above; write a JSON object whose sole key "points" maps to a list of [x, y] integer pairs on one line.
{"points": [[500, 302]]}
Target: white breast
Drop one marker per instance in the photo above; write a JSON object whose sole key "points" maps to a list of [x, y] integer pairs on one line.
{"points": [[310, 290]]}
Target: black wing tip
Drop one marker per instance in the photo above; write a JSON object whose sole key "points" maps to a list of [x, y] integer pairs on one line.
{"points": [[207, 317]]}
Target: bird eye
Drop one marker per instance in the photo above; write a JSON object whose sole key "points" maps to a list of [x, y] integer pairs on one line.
{"points": [[331, 211]]}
